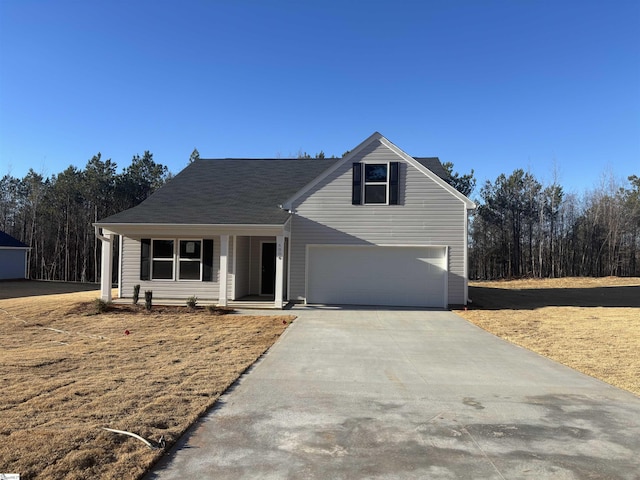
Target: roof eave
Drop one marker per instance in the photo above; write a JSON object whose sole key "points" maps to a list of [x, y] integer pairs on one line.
{"points": [[469, 204], [288, 204], [182, 229]]}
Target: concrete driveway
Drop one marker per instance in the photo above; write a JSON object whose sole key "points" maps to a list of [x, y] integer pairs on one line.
{"points": [[406, 394]]}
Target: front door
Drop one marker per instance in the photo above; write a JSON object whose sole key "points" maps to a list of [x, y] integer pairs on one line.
{"points": [[268, 275]]}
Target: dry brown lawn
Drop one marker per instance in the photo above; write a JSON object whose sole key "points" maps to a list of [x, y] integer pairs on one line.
{"points": [[67, 373], [589, 324]]}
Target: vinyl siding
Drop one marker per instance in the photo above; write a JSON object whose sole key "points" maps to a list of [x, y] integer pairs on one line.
{"points": [[231, 274], [12, 263], [168, 289], [243, 261], [427, 214]]}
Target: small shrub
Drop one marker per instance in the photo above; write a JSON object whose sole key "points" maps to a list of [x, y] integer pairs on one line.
{"points": [[148, 296], [216, 310], [136, 294], [101, 306], [192, 302]]}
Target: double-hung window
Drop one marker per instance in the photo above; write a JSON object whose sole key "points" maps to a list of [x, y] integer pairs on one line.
{"points": [[190, 260], [169, 259], [162, 263], [375, 183]]}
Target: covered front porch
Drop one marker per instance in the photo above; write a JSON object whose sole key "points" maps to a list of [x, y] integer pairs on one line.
{"points": [[242, 267]]}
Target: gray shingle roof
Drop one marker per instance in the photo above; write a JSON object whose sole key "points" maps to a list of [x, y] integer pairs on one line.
{"points": [[7, 240], [232, 192], [226, 191], [433, 164]]}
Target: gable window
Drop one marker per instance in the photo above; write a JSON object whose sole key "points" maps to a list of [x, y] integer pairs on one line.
{"points": [[190, 260], [375, 183]]}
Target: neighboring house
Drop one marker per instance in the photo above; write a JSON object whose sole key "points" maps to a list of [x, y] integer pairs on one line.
{"points": [[13, 258], [376, 227]]}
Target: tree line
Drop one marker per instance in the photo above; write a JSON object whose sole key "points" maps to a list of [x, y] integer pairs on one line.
{"points": [[521, 228], [55, 215]]}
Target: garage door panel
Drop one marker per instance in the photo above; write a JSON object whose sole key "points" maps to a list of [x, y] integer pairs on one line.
{"points": [[409, 276]]}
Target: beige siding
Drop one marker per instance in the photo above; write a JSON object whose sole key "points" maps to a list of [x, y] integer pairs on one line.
{"points": [[163, 288], [427, 215]]}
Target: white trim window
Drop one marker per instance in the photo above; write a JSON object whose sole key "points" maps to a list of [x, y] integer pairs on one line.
{"points": [[162, 256], [376, 184], [190, 260], [177, 259]]}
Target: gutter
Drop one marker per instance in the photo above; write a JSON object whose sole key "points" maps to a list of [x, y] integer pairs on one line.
{"points": [[99, 235]]}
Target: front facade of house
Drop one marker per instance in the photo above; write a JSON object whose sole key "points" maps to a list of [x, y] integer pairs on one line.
{"points": [[13, 258], [377, 227]]}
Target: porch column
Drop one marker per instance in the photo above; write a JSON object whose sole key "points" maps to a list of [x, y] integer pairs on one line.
{"points": [[279, 271], [105, 270], [224, 270]]}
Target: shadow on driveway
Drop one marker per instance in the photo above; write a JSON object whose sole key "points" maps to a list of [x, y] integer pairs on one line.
{"points": [[33, 288], [485, 298]]}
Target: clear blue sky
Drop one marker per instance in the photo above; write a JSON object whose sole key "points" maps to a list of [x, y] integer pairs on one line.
{"points": [[488, 85]]}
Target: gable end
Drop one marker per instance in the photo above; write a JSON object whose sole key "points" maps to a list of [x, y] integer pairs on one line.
{"points": [[420, 165]]}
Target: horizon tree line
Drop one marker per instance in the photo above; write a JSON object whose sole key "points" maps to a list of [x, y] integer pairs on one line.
{"points": [[55, 215], [521, 228]]}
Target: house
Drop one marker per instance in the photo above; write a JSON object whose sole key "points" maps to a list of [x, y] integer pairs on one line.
{"points": [[13, 258], [376, 227]]}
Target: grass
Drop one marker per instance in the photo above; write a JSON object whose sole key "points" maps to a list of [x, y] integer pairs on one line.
{"points": [[68, 372], [589, 324]]}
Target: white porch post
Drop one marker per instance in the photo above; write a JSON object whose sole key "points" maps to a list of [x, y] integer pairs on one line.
{"points": [[224, 270], [120, 240], [279, 271], [105, 270]]}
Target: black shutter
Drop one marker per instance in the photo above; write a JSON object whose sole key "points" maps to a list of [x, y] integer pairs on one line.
{"points": [[356, 194], [207, 260], [394, 191], [145, 259]]}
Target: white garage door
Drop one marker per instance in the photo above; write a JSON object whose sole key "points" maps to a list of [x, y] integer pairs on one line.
{"points": [[372, 275]]}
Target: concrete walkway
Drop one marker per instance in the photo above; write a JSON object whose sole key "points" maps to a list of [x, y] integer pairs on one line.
{"points": [[405, 394]]}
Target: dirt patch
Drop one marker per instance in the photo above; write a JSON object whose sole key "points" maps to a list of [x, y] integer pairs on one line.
{"points": [[68, 372], [589, 324]]}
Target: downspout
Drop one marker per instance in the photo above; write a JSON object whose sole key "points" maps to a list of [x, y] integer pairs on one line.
{"points": [[99, 236]]}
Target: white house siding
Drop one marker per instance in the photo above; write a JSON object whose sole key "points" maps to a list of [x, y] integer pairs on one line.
{"points": [[13, 263], [427, 215], [165, 288]]}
